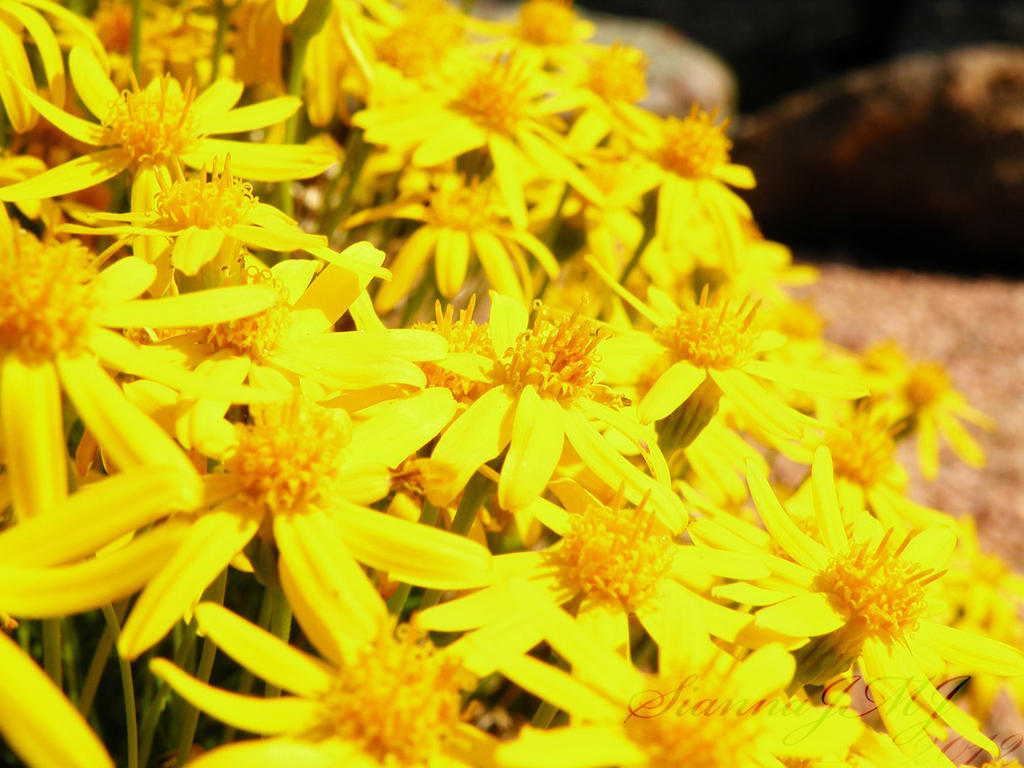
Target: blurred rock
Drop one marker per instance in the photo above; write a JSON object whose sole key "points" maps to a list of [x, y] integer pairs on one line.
{"points": [[921, 160], [680, 71]]}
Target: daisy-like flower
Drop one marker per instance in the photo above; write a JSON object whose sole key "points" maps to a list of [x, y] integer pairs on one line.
{"points": [[293, 341], [389, 700], [212, 216], [715, 346], [923, 393], [146, 130], [536, 393], [33, 711], [693, 157], [500, 108], [460, 220], [57, 309], [868, 598], [548, 32], [703, 708], [621, 563], [27, 16]]}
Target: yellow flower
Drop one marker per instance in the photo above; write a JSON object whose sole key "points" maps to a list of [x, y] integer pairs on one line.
{"points": [[33, 712], [868, 598], [547, 32], [17, 80], [499, 108], [387, 700], [147, 130], [211, 216], [540, 391], [620, 563], [56, 312], [715, 345], [460, 220]]}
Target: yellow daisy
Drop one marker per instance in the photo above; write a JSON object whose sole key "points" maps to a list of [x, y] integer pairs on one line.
{"points": [[39, 724], [547, 32], [868, 598], [460, 219], [145, 130]]}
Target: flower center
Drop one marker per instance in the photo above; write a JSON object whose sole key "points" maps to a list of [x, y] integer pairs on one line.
{"points": [[880, 594], [547, 22], [926, 383], [711, 336], [695, 146], [618, 74], [289, 454], [497, 97], [400, 700], [220, 201], [617, 554], [45, 297], [558, 358], [862, 452], [468, 208], [463, 335], [154, 124], [255, 335], [113, 21], [418, 45]]}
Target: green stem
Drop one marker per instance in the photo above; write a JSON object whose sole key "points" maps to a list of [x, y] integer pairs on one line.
{"points": [[127, 689], [544, 715], [396, 603], [99, 662], [52, 661], [352, 167], [136, 38], [245, 683], [415, 300], [548, 238], [280, 626], [213, 593], [218, 40], [648, 218]]}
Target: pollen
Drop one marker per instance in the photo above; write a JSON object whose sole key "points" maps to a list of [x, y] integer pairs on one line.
{"points": [[881, 594], [694, 146], [712, 336], [618, 73], [255, 335], [863, 452], [46, 297], [926, 384], [289, 454], [418, 45], [463, 335], [497, 96], [155, 124], [207, 203], [399, 700], [466, 207], [617, 554], [547, 22], [113, 22], [558, 357]]}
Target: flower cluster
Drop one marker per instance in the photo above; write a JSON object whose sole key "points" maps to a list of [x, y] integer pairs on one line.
{"points": [[408, 360]]}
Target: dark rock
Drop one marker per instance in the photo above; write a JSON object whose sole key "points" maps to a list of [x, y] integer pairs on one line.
{"points": [[921, 160]]}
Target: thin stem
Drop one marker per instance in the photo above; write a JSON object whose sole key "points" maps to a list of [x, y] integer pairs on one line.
{"points": [[280, 626], [218, 40], [136, 38], [99, 662], [127, 689], [396, 603], [551, 232], [52, 661], [213, 593], [415, 301], [648, 218], [355, 159], [544, 715]]}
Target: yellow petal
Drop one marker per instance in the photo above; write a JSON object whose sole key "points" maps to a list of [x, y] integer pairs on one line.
{"points": [[451, 261], [33, 435], [287, 714], [16, 81], [33, 711], [805, 615], [92, 85], [216, 305], [123, 280], [508, 174], [797, 544], [574, 746], [262, 162], [411, 552], [81, 173], [669, 391], [212, 541], [762, 407], [399, 428], [508, 319], [408, 262], [538, 435], [804, 380], [483, 607], [972, 652], [253, 116], [218, 98], [195, 248], [558, 688], [283, 751], [826, 502], [497, 265]]}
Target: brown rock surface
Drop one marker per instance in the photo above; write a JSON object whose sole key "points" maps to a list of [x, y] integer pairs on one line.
{"points": [[975, 328]]}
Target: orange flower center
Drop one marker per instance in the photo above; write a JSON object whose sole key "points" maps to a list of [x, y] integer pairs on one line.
{"points": [[255, 335], [155, 124], [400, 700], [465, 207], [289, 454], [927, 382], [616, 554], [710, 336], [497, 97], [46, 298], [863, 452], [695, 146], [417, 46], [113, 21], [220, 201], [463, 335], [547, 22], [618, 74]]}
